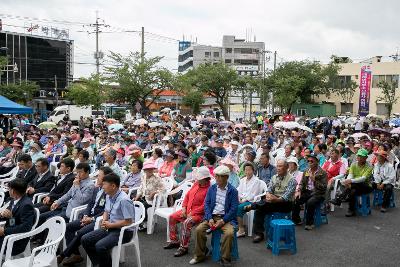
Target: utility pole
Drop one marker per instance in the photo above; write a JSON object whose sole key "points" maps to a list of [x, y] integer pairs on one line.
{"points": [[142, 46], [272, 94], [55, 89], [97, 30]]}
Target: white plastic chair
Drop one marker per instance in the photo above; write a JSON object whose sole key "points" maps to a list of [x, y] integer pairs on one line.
{"points": [[165, 212], [159, 200], [6, 178], [76, 212], [335, 187], [2, 197], [44, 255], [396, 167], [38, 197], [124, 173], [118, 252], [250, 214]]}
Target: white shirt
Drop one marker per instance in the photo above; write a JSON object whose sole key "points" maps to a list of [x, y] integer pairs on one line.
{"points": [[248, 189], [219, 208], [384, 174]]}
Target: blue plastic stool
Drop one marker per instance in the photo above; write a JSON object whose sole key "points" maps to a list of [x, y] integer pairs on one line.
{"points": [[273, 216], [282, 235], [216, 245], [378, 199], [319, 218], [363, 209]]}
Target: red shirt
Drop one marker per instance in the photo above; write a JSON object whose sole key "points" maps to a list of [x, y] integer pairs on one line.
{"points": [[194, 200], [332, 169]]}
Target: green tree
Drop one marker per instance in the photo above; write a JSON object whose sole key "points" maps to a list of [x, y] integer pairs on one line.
{"points": [[194, 100], [316, 79], [346, 90], [88, 91], [246, 86], [138, 81], [388, 95], [216, 81], [287, 90], [20, 91], [3, 63]]}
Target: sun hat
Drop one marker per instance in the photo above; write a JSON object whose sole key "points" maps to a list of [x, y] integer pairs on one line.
{"points": [[222, 170], [362, 152], [383, 154], [133, 149], [149, 165], [36, 146], [293, 160], [201, 173], [229, 161], [236, 143]]}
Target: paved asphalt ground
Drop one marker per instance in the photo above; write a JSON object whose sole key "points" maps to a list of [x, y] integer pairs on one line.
{"points": [[358, 241]]}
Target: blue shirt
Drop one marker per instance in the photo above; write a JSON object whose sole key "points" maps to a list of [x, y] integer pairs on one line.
{"points": [[119, 207], [266, 173]]}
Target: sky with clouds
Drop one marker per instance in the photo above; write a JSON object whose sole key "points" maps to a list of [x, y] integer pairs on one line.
{"points": [[296, 29]]}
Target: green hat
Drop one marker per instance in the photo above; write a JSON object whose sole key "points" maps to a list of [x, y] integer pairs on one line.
{"points": [[362, 152]]}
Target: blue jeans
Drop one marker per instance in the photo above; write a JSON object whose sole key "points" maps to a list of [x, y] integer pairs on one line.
{"points": [[241, 212]]}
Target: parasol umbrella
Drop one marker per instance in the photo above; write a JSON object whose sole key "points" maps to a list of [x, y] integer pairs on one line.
{"points": [[377, 131], [371, 115], [357, 136], [111, 121], [165, 110], [140, 122], [395, 131], [154, 124], [395, 122], [287, 124], [240, 125], [225, 123], [47, 125], [209, 120], [27, 126], [115, 127], [305, 128]]}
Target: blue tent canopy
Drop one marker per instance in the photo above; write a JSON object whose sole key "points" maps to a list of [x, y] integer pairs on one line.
{"points": [[9, 107]]}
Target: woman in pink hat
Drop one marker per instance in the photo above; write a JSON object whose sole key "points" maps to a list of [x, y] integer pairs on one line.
{"points": [[151, 185], [233, 176]]}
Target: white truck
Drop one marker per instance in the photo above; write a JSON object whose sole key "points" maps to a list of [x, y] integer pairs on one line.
{"points": [[70, 112]]}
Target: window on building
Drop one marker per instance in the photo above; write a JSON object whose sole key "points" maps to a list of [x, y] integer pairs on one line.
{"points": [[343, 81], [216, 54], [228, 50], [301, 112], [376, 79], [346, 107], [228, 61], [381, 109], [42, 93], [207, 54]]}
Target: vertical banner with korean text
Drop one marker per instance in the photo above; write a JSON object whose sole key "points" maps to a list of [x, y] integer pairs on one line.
{"points": [[365, 87]]}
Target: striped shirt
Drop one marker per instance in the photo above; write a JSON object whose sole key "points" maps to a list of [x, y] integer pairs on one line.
{"points": [[219, 208]]}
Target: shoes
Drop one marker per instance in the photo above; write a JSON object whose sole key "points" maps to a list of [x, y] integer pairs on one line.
{"points": [[142, 228], [350, 214], [60, 259], [309, 227], [180, 252], [171, 245], [336, 201], [258, 238], [297, 221], [383, 210], [240, 234], [226, 263], [194, 261], [74, 259]]}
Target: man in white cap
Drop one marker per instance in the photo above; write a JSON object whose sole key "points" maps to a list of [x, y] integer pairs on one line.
{"points": [[233, 151], [220, 208], [192, 212]]}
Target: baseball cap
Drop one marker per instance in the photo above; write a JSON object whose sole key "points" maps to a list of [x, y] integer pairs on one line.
{"points": [[362, 152]]}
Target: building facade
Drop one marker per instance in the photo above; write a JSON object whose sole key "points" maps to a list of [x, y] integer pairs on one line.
{"points": [[247, 58], [46, 61], [380, 71]]}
